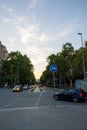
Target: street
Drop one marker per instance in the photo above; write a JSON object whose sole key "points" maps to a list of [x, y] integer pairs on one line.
{"points": [[38, 111]]}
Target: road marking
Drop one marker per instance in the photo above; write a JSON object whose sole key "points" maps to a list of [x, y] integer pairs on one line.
{"points": [[38, 100], [41, 107], [23, 108]]}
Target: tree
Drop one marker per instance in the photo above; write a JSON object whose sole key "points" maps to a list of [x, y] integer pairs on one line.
{"points": [[64, 62], [86, 44], [70, 65], [68, 53], [18, 67]]}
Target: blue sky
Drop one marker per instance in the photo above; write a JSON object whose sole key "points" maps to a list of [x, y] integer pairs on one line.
{"points": [[39, 28]]}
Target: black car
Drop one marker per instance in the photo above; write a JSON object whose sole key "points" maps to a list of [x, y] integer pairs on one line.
{"points": [[71, 94]]}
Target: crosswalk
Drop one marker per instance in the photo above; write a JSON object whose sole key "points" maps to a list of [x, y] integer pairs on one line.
{"points": [[37, 89]]}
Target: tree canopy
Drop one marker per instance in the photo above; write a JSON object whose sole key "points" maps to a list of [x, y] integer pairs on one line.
{"points": [[70, 65], [18, 68]]}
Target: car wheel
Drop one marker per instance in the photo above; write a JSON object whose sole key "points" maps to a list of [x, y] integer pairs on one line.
{"points": [[75, 99]]}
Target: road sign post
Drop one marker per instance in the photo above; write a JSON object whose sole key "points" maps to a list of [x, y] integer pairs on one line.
{"points": [[53, 69], [54, 79]]}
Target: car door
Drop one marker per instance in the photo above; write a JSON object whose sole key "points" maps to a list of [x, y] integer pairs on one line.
{"points": [[64, 95], [70, 93]]}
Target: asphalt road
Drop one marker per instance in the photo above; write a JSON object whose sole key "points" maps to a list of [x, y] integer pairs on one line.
{"points": [[38, 111]]}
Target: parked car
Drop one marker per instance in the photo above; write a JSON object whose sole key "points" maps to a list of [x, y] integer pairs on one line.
{"points": [[17, 88], [71, 94], [26, 87]]}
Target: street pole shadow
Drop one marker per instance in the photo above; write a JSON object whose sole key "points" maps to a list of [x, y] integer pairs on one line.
{"points": [[53, 103]]}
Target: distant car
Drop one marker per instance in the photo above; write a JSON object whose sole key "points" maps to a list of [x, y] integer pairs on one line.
{"points": [[26, 87], [17, 88], [71, 94]]}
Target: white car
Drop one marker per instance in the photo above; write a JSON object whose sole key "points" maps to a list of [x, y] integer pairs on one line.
{"points": [[17, 88], [26, 87]]}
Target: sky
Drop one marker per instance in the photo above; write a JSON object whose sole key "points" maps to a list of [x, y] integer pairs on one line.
{"points": [[39, 28]]}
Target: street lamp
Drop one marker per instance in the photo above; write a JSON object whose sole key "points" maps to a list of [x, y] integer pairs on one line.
{"points": [[82, 54]]}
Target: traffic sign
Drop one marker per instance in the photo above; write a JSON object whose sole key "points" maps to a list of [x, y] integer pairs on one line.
{"points": [[53, 68]]}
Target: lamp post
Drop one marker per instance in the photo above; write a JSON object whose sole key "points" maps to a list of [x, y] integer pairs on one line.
{"points": [[82, 54], [18, 72], [17, 57]]}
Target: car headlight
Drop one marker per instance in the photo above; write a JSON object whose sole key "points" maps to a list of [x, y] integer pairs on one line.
{"points": [[17, 88]]}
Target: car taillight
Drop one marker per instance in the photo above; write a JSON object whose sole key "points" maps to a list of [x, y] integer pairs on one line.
{"points": [[81, 94]]}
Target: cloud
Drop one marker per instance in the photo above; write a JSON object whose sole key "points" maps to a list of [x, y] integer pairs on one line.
{"points": [[27, 33], [6, 20], [32, 34], [14, 20], [32, 39], [66, 31], [19, 19], [11, 40], [36, 53], [33, 4], [42, 38], [36, 40], [12, 17], [11, 46], [7, 9]]}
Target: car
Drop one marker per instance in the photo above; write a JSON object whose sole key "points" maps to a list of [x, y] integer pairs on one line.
{"points": [[26, 87], [71, 94], [17, 88]]}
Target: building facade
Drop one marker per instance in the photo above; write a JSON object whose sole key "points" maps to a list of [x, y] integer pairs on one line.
{"points": [[3, 55], [3, 51]]}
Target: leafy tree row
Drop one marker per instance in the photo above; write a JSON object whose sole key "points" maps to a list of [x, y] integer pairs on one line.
{"points": [[17, 68], [69, 63]]}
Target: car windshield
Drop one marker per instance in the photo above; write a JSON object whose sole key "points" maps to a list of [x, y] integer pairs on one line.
{"points": [[25, 86], [17, 86], [43, 52]]}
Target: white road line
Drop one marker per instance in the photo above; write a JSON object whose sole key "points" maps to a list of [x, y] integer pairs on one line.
{"points": [[23, 108], [38, 100]]}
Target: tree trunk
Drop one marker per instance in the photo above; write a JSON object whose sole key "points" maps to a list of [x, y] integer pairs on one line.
{"points": [[71, 83], [65, 82]]}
